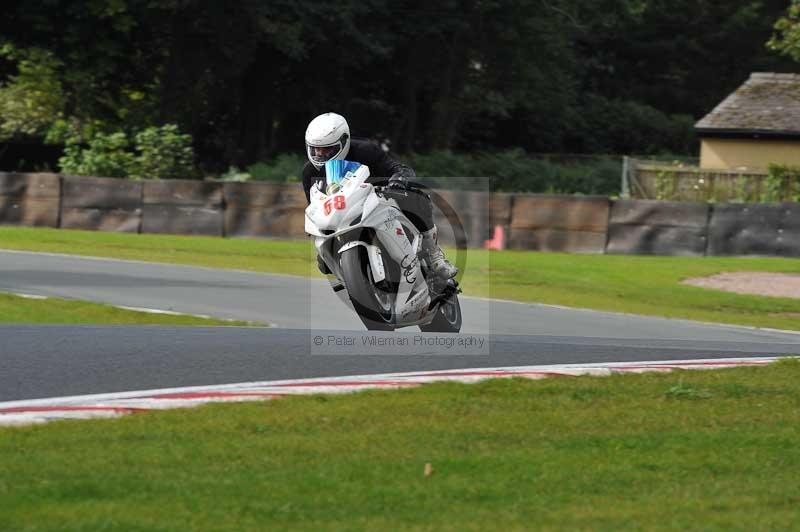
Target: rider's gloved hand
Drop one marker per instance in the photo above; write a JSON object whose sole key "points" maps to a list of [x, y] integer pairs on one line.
{"points": [[398, 182]]}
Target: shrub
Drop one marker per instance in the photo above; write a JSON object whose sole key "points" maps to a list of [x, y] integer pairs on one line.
{"points": [[515, 171], [106, 155], [163, 153], [783, 183], [158, 153], [235, 175], [510, 171], [285, 168]]}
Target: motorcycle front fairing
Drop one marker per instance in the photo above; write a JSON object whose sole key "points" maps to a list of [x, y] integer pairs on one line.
{"points": [[329, 216]]}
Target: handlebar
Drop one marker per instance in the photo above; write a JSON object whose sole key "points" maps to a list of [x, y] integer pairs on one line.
{"points": [[385, 181]]}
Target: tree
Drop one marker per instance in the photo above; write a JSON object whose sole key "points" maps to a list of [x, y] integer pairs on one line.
{"points": [[244, 77], [32, 99], [786, 39]]}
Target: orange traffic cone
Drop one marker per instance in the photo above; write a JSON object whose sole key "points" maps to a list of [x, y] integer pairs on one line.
{"points": [[498, 241]]}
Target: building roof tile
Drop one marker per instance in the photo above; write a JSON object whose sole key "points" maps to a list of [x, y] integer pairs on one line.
{"points": [[766, 103]]}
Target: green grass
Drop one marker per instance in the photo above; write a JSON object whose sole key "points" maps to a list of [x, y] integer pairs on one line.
{"points": [[16, 309], [640, 285], [275, 256], [714, 450]]}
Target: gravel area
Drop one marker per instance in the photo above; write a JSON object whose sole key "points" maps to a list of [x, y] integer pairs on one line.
{"points": [[757, 283]]}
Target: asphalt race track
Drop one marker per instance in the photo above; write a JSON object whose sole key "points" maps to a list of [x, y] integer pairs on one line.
{"points": [[313, 333]]}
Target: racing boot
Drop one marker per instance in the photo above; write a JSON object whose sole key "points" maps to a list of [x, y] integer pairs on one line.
{"points": [[439, 263]]}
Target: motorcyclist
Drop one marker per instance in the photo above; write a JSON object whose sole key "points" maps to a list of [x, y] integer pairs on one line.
{"points": [[328, 138]]}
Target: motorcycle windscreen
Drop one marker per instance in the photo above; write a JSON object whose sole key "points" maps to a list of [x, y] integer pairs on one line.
{"points": [[338, 171]]}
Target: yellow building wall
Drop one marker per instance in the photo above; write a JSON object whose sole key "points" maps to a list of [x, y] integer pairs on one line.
{"points": [[748, 153]]}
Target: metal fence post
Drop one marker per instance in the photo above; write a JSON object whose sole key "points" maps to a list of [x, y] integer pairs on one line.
{"points": [[626, 189]]}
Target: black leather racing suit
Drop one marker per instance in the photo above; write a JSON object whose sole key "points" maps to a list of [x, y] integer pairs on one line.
{"points": [[415, 204]]}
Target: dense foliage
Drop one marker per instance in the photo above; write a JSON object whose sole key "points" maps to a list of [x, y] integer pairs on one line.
{"points": [[507, 170], [243, 77], [783, 183], [153, 153], [787, 32], [32, 99]]}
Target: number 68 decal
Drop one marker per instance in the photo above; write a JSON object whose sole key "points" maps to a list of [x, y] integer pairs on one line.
{"points": [[338, 204]]}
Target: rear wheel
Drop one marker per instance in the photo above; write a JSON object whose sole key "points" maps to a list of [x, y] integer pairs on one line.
{"points": [[373, 305], [448, 317]]}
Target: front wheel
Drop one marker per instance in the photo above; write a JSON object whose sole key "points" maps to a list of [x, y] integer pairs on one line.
{"points": [[373, 305], [448, 317]]}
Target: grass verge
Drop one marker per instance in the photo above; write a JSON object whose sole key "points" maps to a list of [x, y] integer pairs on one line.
{"points": [[702, 450], [632, 284], [16, 309]]}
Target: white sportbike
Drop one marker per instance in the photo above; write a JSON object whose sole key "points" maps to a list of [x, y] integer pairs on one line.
{"points": [[373, 252]]}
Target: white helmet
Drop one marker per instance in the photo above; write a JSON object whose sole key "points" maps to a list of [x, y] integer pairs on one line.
{"points": [[327, 138]]}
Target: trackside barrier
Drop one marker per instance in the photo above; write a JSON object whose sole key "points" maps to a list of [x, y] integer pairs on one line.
{"points": [[642, 227], [264, 209], [755, 229], [478, 212], [559, 223], [574, 224], [101, 204], [30, 199], [182, 207]]}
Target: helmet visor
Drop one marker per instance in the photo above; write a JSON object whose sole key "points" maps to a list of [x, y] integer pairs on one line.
{"points": [[322, 154]]}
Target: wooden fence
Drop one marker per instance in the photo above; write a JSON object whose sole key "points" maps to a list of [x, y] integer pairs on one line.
{"points": [[688, 183]]}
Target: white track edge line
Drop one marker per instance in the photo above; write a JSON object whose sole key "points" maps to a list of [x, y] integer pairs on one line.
{"points": [[259, 384]]}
